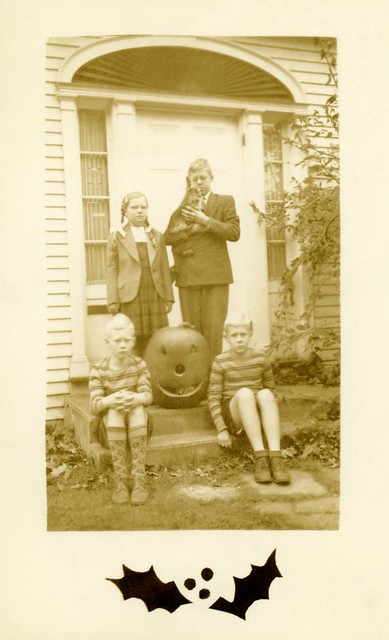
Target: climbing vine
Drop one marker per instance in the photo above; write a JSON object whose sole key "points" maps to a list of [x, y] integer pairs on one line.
{"points": [[310, 215]]}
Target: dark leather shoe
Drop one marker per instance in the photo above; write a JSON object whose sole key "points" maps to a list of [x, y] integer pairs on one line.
{"points": [[120, 494], [139, 493], [278, 471], [262, 471]]}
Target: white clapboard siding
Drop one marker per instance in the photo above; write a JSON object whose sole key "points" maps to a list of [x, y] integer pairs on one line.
{"points": [[51, 99], [58, 275], [58, 313], [54, 404], [57, 213], [57, 389], [59, 346], [57, 300], [56, 161], [55, 175], [56, 375], [55, 188], [56, 262], [327, 308], [55, 200], [53, 125], [299, 56], [333, 322], [59, 326], [54, 151], [53, 137], [59, 349], [57, 337], [56, 237], [57, 363], [56, 224], [53, 112], [57, 250]]}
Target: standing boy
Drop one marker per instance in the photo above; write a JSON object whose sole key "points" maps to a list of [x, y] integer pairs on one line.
{"points": [[240, 397], [203, 272], [119, 392]]}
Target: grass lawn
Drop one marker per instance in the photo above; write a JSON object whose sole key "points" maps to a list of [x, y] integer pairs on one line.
{"points": [[217, 494]]}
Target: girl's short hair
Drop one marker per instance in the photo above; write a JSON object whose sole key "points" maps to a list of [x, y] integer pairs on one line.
{"points": [[119, 321]]}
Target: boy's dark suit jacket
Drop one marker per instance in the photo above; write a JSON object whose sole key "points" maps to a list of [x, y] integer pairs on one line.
{"points": [[209, 264], [124, 270]]}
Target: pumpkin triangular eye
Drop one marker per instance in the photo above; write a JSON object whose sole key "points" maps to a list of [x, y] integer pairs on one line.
{"points": [[193, 349]]}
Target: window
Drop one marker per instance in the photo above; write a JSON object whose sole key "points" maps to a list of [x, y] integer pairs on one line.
{"points": [[95, 194], [274, 187]]}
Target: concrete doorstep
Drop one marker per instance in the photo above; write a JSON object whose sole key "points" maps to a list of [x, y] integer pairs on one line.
{"points": [[182, 435]]}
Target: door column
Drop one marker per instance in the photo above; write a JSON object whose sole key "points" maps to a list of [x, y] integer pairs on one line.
{"points": [[79, 364], [255, 236], [123, 174]]}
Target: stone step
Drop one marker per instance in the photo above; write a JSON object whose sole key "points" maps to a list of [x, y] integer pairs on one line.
{"points": [[176, 448], [176, 421], [181, 434]]}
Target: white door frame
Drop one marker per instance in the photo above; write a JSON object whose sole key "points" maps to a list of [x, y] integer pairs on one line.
{"points": [[122, 105]]}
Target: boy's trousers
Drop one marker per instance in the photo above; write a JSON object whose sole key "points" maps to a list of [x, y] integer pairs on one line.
{"points": [[205, 308]]}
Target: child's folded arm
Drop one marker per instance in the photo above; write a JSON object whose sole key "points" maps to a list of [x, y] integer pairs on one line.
{"points": [[144, 384], [96, 389]]}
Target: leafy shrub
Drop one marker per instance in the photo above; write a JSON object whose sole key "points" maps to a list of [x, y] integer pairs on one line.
{"points": [[67, 465], [309, 371], [318, 443]]}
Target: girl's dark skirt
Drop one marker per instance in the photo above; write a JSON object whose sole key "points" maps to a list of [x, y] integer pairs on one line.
{"points": [[148, 310]]}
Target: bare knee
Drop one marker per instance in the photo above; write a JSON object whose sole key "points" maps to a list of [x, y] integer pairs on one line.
{"points": [[245, 394], [266, 396], [115, 418]]}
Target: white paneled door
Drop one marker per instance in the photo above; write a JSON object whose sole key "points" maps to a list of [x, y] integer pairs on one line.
{"points": [[166, 145]]}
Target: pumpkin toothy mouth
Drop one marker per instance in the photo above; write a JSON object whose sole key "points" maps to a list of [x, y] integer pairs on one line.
{"points": [[181, 392]]}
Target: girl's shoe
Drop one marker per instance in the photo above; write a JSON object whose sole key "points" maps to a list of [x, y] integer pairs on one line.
{"points": [[277, 466]]}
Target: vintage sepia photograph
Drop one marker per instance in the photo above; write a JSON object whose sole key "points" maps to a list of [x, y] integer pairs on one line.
{"points": [[194, 319], [193, 256]]}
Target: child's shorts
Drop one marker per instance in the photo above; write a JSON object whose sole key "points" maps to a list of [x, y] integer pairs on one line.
{"points": [[228, 419]]}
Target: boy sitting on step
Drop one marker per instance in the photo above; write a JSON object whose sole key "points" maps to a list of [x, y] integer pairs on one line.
{"points": [[120, 390], [240, 398]]}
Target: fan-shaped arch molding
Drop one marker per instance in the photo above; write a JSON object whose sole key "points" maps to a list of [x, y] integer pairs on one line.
{"points": [[195, 66], [182, 70]]}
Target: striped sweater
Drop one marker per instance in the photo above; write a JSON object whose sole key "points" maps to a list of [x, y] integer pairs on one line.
{"points": [[103, 381], [229, 374]]}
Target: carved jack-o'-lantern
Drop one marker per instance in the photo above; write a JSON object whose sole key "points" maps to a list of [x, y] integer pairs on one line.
{"points": [[178, 361]]}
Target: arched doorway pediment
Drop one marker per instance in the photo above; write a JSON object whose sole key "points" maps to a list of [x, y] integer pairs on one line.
{"points": [[181, 65]]}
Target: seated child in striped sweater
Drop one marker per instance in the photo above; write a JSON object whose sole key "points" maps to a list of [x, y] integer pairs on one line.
{"points": [[240, 398], [120, 390]]}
